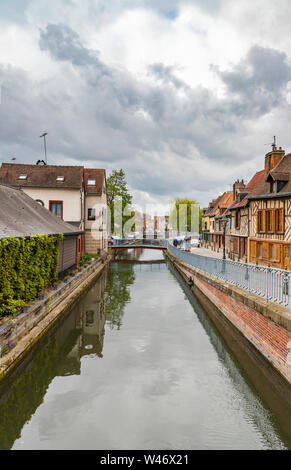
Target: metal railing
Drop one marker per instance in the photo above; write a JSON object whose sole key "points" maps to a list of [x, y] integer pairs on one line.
{"points": [[132, 242], [270, 283]]}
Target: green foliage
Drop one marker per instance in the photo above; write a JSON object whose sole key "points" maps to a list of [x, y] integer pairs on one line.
{"points": [[117, 189], [186, 206], [86, 258], [27, 267]]}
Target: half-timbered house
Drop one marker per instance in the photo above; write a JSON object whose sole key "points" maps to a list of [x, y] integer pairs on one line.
{"points": [[239, 213], [270, 213]]}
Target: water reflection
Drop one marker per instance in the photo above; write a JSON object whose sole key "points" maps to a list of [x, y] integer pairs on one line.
{"points": [[118, 293], [81, 333], [138, 363]]}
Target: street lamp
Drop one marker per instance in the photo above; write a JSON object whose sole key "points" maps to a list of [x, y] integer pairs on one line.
{"points": [[224, 221]]}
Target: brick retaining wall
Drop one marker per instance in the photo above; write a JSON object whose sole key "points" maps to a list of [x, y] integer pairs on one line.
{"points": [[271, 339]]}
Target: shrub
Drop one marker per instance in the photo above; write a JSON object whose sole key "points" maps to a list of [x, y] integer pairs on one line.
{"points": [[86, 258], [27, 267]]}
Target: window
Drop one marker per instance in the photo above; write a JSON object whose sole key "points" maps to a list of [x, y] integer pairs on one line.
{"points": [[91, 214], [269, 221], [260, 250], [40, 202], [280, 185], [272, 252], [56, 207], [60, 178], [279, 220], [91, 182], [260, 221], [287, 251], [237, 219], [22, 177]]}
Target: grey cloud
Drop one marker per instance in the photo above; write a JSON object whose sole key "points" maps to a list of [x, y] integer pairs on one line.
{"points": [[258, 80], [166, 74], [64, 44], [108, 118]]}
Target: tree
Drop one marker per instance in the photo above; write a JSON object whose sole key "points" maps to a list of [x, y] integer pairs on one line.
{"points": [[187, 213], [117, 191]]}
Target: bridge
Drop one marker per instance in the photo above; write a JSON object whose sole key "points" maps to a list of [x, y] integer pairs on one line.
{"points": [[150, 243]]}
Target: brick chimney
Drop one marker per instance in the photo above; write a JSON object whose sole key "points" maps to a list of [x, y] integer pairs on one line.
{"points": [[237, 186], [273, 158]]}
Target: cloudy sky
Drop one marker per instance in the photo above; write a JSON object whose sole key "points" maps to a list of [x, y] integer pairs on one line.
{"points": [[183, 95]]}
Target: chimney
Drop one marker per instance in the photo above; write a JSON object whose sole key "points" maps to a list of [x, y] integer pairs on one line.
{"points": [[238, 185], [273, 158]]}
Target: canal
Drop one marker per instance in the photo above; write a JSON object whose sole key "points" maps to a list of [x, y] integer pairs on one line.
{"points": [[138, 364]]}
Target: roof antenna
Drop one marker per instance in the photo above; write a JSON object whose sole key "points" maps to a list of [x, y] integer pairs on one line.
{"points": [[44, 142], [274, 143]]}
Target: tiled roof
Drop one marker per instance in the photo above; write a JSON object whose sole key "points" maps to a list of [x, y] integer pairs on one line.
{"points": [[224, 203], [98, 176], [214, 209], [22, 216], [41, 176], [283, 168], [250, 188]]}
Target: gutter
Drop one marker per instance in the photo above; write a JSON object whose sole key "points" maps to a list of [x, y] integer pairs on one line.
{"points": [[270, 196]]}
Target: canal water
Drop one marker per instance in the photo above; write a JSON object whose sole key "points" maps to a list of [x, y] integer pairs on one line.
{"points": [[139, 364]]}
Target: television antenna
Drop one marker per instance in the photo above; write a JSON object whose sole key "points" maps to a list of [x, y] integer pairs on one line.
{"points": [[44, 143]]}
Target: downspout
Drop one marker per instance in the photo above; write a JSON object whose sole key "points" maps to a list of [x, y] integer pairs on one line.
{"points": [[83, 216]]}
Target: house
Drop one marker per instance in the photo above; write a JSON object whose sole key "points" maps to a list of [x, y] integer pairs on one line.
{"points": [[270, 213], [22, 216], [218, 220], [205, 226], [239, 213], [96, 239], [74, 194], [211, 213]]}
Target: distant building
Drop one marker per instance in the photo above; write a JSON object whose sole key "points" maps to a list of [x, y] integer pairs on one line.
{"points": [[216, 221], [74, 194], [21, 216]]}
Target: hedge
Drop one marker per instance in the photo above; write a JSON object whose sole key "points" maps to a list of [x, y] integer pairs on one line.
{"points": [[27, 267]]}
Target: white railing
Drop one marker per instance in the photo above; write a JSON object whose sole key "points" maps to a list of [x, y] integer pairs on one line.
{"points": [[271, 283]]}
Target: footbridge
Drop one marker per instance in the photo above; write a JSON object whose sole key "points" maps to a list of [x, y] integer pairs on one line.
{"points": [[151, 243]]}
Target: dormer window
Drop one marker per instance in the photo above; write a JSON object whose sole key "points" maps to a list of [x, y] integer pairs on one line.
{"points": [[280, 185], [91, 182], [22, 177], [60, 178]]}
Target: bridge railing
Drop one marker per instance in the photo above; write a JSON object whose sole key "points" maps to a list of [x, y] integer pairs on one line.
{"points": [[270, 283], [139, 242]]}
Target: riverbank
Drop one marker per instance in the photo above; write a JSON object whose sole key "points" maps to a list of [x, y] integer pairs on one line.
{"points": [[254, 320], [27, 328]]}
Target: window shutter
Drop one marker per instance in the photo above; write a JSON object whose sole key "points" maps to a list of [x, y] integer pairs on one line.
{"points": [[282, 224], [264, 221]]}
